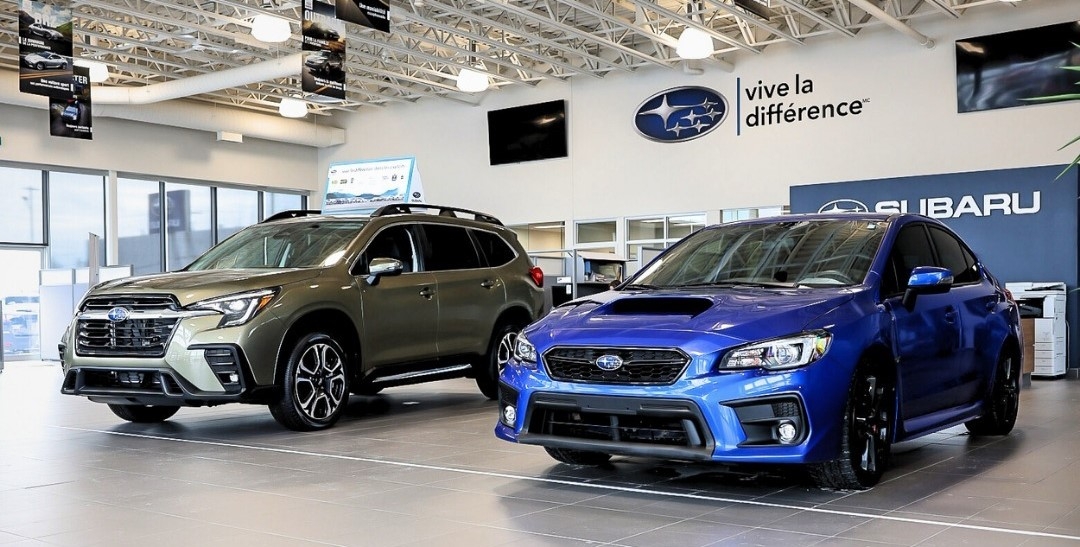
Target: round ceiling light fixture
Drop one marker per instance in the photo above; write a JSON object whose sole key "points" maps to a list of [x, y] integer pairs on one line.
{"points": [[267, 28], [472, 81], [694, 44], [99, 71], [292, 108]]}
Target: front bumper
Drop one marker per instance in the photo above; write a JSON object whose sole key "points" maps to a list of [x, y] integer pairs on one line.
{"points": [[732, 417], [200, 365]]}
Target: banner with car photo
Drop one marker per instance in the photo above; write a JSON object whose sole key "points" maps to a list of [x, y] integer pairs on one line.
{"points": [[72, 117], [45, 48], [368, 13], [323, 72]]}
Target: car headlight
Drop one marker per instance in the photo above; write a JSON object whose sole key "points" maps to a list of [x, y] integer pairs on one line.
{"points": [[237, 309], [780, 353], [524, 351]]}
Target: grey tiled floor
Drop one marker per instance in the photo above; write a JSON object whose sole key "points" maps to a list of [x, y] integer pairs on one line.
{"points": [[420, 466]]}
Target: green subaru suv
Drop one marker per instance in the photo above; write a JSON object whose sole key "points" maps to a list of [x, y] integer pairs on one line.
{"points": [[301, 310]]}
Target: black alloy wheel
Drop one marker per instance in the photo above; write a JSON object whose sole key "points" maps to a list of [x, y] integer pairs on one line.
{"points": [[1003, 403], [867, 432]]}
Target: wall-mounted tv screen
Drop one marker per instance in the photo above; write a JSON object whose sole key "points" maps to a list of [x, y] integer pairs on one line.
{"points": [[527, 133], [1009, 69]]}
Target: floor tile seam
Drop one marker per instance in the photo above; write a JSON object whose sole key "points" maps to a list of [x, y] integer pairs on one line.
{"points": [[676, 523], [813, 509], [203, 522]]}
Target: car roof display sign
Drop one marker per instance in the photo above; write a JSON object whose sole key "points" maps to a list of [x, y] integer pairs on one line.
{"points": [[45, 48]]}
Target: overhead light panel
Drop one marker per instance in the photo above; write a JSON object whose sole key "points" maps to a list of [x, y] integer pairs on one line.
{"points": [[292, 108], [267, 28], [472, 81], [694, 44], [99, 71]]}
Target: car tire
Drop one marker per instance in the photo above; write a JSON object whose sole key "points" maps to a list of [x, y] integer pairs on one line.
{"points": [[500, 348], [578, 457], [1003, 402], [40, 66], [869, 416], [144, 414], [315, 390]]}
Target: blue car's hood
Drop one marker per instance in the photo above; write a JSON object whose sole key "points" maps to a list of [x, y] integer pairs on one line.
{"points": [[737, 314]]}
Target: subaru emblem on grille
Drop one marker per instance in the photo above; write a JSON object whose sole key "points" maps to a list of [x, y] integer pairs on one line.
{"points": [[609, 362], [119, 315]]}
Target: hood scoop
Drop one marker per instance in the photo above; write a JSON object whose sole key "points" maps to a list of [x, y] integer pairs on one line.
{"points": [[659, 305]]}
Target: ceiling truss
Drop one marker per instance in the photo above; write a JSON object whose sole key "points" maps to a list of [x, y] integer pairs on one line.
{"points": [[516, 42]]}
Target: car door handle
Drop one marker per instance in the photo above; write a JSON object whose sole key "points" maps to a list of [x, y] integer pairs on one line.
{"points": [[487, 283], [426, 292]]}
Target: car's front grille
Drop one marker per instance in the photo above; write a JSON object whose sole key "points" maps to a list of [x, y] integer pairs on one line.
{"points": [[130, 338], [655, 422], [639, 365], [142, 329]]}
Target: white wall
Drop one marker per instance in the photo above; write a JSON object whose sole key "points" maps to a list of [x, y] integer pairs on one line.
{"points": [[909, 127], [156, 150]]}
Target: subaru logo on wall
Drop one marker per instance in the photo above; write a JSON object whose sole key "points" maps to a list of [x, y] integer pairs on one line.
{"points": [[680, 114], [118, 315], [609, 362], [844, 206]]}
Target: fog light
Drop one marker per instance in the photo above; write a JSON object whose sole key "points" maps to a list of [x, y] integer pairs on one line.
{"points": [[509, 415], [234, 378], [786, 432]]}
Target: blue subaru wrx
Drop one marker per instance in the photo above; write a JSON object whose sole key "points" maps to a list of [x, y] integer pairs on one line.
{"points": [[805, 339]]}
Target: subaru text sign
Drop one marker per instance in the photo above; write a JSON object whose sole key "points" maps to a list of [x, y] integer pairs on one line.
{"points": [[680, 114]]}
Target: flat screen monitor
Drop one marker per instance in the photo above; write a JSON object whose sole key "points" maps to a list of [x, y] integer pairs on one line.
{"points": [[1011, 68], [527, 133]]}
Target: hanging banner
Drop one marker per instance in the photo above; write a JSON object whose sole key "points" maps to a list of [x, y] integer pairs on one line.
{"points": [[72, 117], [323, 72], [368, 13], [45, 48], [365, 185]]}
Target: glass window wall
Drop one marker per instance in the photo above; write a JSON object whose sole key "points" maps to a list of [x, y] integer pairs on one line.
{"points": [[236, 210], [76, 209], [187, 223], [24, 217], [139, 225]]}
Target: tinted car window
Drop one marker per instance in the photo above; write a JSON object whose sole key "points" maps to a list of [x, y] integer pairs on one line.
{"points": [[955, 257], [281, 245], [394, 242], [497, 251], [818, 253], [911, 249], [449, 248]]}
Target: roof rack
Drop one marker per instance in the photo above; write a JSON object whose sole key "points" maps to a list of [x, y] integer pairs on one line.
{"points": [[294, 213], [443, 211]]}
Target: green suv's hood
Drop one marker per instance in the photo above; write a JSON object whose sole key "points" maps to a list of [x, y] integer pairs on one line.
{"points": [[190, 287]]}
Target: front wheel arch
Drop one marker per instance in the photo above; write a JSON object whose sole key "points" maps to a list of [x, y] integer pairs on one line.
{"points": [[344, 332]]}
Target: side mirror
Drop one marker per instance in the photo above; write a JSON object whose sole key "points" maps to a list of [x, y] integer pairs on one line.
{"points": [[383, 266], [926, 280]]}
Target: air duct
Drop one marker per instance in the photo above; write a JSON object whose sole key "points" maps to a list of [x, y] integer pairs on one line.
{"points": [[893, 22], [153, 106], [281, 67]]}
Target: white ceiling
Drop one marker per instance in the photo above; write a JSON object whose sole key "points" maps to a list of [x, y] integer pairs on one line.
{"points": [[520, 42]]}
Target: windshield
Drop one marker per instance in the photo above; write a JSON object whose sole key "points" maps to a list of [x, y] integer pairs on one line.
{"points": [[784, 254], [282, 245]]}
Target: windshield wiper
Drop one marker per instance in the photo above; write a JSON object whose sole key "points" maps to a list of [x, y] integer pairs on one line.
{"points": [[639, 286], [734, 283]]}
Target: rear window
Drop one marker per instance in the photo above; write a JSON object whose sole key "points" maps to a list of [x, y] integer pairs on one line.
{"points": [[494, 248]]}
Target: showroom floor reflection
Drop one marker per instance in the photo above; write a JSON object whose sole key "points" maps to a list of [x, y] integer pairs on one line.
{"points": [[419, 465]]}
